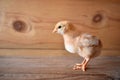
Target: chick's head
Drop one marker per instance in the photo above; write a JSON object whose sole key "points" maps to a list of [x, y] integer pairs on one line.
{"points": [[62, 27]]}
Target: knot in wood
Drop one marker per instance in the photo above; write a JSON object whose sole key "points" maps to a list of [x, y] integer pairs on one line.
{"points": [[20, 26], [97, 18]]}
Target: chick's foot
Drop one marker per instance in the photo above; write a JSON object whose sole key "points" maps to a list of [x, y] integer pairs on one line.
{"points": [[77, 67]]}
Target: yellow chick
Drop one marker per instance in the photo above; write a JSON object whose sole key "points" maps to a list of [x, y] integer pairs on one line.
{"points": [[86, 45]]}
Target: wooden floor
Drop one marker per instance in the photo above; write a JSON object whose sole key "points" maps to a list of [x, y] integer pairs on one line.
{"points": [[58, 68]]}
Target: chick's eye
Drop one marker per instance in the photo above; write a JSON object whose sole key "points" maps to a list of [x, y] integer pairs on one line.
{"points": [[59, 27]]}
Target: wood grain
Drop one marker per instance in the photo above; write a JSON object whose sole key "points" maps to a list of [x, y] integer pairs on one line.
{"points": [[58, 68], [52, 52], [98, 17]]}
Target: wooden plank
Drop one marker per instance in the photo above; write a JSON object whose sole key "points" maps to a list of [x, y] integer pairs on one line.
{"points": [[57, 68], [38, 52], [41, 16], [55, 76]]}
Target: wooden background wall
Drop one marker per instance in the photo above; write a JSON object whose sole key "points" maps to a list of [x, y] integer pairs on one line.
{"points": [[26, 25]]}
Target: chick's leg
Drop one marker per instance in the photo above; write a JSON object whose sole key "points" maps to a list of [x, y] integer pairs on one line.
{"points": [[79, 66], [85, 64], [82, 65]]}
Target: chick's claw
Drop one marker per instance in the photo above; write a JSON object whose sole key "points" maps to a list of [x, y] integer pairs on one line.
{"points": [[77, 67]]}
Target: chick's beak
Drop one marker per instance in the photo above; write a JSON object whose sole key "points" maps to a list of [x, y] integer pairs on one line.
{"points": [[54, 31]]}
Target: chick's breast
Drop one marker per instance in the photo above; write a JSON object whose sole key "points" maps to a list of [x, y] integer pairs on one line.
{"points": [[70, 45]]}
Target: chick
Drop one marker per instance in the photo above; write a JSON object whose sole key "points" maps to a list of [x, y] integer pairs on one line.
{"points": [[86, 45]]}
